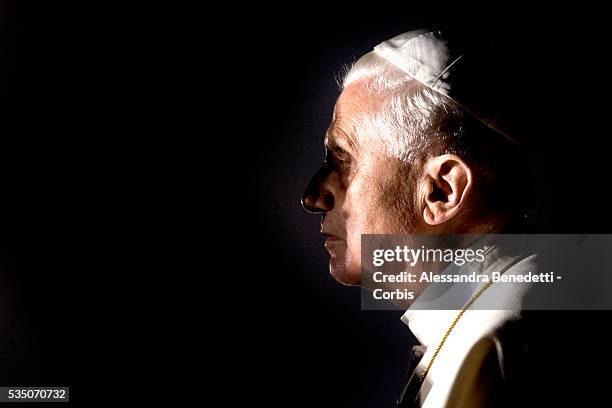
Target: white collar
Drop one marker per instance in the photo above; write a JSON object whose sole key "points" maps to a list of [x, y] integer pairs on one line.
{"points": [[427, 322]]}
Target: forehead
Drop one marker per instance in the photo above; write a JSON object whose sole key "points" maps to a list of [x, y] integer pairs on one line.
{"points": [[354, 100], [352, 104]]}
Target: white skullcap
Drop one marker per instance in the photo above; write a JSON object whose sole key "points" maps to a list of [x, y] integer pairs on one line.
{"points": [[473, 76], [422, 55]]}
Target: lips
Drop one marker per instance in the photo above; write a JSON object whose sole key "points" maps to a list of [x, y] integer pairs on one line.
{"points": [[332, 241], [329, 235]]}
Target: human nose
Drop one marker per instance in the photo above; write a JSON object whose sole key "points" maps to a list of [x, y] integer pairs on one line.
{"points": [[318, 197]]}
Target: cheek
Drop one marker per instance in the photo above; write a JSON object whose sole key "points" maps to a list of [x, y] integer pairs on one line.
{"points": [[359, 214], [367, 207], [377, 201]]}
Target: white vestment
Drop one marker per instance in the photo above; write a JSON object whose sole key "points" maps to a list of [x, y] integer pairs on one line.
{"points": [[469, 369]]}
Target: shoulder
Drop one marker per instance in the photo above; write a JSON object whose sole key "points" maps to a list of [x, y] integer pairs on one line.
{"points": [[480, 379]]}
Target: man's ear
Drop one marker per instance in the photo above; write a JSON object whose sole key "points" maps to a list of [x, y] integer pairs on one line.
{"points": [[446, 183]]}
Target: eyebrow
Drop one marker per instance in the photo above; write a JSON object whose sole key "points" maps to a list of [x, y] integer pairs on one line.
{"points": [[332, 138]]}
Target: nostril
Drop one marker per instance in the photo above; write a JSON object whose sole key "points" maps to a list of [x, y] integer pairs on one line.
{"points": [[309, 198], [317, 204], [309, 204], [328, 201]]}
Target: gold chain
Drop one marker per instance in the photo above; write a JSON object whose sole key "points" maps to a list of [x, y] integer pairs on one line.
{"points": [[452, 326]]}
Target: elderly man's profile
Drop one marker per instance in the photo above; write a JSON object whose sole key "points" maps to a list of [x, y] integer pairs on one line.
{"points": [[419, 144]]}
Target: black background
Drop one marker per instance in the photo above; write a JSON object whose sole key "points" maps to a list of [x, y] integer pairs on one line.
{"points": [[309, 330], [153, 161]]}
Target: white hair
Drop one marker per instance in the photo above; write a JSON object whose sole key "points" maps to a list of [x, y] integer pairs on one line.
{"points": [[411, 118]]}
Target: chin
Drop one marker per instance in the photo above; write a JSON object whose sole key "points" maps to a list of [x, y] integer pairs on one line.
{"points": [[346, 276]]}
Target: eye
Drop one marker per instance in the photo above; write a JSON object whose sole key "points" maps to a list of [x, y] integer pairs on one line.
{"points": [[340, 153], [341, 156]]}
